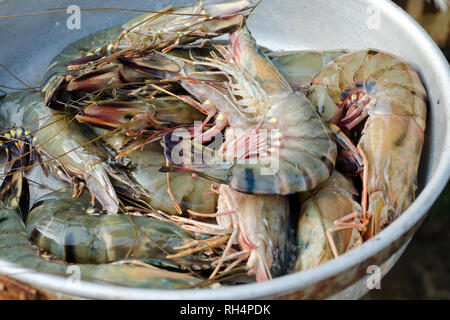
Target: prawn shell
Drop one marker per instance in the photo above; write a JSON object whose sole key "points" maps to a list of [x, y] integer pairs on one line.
{"points": [[393, 134], [16, 248], [263, 223], [191, 193], [331, 201], [60, 225], [393, 85], [395, 173], [71, 152], [300, 67]]}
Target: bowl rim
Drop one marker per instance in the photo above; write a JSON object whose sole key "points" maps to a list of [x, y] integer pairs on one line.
{"points": [[294, 281]]}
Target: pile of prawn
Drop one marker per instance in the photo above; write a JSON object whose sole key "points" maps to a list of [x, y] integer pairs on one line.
{"points": [[303, 155]]}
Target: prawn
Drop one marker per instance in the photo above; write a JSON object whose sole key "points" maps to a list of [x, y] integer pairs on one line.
{"points": [[298, 142], [318, 238], [385, 95], [16, 248]]}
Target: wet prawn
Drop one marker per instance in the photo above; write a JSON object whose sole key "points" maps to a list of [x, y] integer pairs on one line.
{"points": [[15, 248], [385, 95], [305, 158], [318, 237]]}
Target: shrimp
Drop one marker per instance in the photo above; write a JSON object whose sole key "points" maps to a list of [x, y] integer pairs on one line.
{"points": [[111, 111], [386, 95], [188, 192], [147, 104], [173, 193], [116, 95], [298, 142], [263, 230], [143, 114], [318, 239], [16, 248], [73, 230], [157, 31], [260, 224], [300, 68], [68, 150], [91, 64]]}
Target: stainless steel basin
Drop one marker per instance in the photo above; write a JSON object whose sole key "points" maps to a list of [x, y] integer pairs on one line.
{"points": [[29, 43]]}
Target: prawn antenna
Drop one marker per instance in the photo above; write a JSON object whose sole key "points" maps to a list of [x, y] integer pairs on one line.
{"points": [[15, 77], [251, 11], [101, 9]]}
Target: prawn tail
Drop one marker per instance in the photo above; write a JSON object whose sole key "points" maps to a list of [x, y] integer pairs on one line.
{"points": [[98, 182], [155, 64]]}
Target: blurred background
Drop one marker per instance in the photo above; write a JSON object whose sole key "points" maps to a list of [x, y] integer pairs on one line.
{"points": [[423, 271]]}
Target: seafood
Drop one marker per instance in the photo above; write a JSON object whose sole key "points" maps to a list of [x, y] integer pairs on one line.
{"points": [[74, 156], [173, 194], [302, 147], [68, 150], [16, 140], [263, 230], [21, 106], [142, 181], [162, 112], [300, 67], [97, 68], [256, 221], [144, 108], [386, 95], [127, 110], [17, 143], [113, 108], [135, 116], [190, 193], [69, 229], [172, 27], [260, 224], [318, 239], [15, 247]]}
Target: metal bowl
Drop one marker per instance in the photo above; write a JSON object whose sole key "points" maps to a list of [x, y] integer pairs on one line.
{"points": [[29, 43]]}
